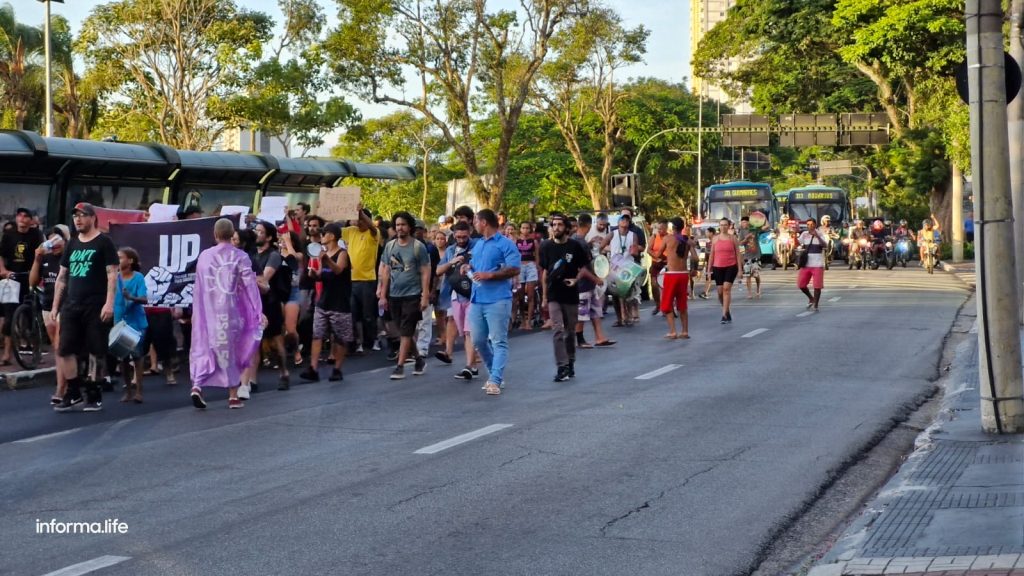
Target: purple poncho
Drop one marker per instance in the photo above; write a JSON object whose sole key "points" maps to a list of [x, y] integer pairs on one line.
{"points": [[226, 313]]}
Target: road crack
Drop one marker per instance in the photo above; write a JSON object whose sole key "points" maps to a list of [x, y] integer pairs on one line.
{"points": [[662, 494], [430, 490]]}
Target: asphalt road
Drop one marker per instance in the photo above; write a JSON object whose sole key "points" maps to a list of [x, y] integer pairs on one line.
{"points": [[689, 472]]}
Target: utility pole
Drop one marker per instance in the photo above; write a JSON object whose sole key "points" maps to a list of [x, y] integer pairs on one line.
{"points": [[700, 148], [999, 350], [957, 235], [1015, 111], [48, 112]]}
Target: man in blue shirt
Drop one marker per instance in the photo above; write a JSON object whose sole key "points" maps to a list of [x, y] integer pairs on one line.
{"points": [[494, 263]]}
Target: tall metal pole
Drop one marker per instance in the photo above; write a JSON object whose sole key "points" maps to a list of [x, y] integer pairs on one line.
{"points": [[1015, 111], [700, 148], [999, 349], [48, 115]]}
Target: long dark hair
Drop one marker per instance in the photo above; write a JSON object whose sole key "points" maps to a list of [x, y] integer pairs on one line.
{"points": [[133, 256]]}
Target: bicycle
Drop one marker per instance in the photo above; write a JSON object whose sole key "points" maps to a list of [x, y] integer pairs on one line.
{"points": [[28, 330]]}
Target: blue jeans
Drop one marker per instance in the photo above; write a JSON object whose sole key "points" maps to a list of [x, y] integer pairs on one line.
{"points": [[488, 324]]}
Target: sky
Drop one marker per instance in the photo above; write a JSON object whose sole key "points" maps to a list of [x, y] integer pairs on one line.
{"points": [[668, 47]]}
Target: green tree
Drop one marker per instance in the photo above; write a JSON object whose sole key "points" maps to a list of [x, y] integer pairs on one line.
{"points": [[577, 88], [467, 61], [21, 69], [170, 59]]}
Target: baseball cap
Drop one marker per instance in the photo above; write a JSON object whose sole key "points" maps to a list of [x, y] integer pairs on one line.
{"points": [[63, 230], [333, 228], [24, 211], [84, 208], [420, 224], [441, 219]]}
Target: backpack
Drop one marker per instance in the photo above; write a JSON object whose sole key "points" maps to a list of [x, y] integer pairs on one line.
{"points": [[682, 246]]}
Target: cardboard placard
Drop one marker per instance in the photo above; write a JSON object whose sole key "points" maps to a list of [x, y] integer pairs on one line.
{"points": [[339, 204]]}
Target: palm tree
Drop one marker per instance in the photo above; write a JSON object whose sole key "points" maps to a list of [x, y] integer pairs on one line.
{"points": [[20, 70]]}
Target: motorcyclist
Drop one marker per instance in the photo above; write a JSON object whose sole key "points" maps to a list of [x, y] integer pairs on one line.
{"points": [[903, 230], [857, 233], [831, 235], [928, 236], [878, 233]]}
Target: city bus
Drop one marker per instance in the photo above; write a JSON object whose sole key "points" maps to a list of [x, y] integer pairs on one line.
{"points": [[818, 201], [734, 200]]}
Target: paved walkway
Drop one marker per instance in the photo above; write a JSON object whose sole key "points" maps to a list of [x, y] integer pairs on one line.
{"points": [[956, 506]]}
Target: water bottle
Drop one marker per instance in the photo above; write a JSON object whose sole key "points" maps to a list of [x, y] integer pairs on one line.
{"points": [[48, 247], [380, 310]]}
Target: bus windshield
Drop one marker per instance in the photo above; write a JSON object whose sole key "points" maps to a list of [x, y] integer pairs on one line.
{"points": [[736, 209], [805, 211]]}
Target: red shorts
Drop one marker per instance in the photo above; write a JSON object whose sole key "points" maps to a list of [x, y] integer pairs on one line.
{"points": [[805, 275], [676, 284]]}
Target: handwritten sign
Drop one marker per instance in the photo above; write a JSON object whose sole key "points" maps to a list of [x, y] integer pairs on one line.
{"points": [[339, 204]]}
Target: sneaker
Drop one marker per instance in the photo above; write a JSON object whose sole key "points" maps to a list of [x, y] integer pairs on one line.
{"points": [[376, 346], [336, 376], [92, 407], [310, 375], [359, 349], [68, 404], [420, 367], [235, 403], [723, 320], [562, 374], [398, 373], [443, 356], [410, 360], [572, 369], [728, 318], [474, 371], [464, 374], [284, 384], [197, 399], [107, 385], [245, 391], [254, 387], [392, 356]]}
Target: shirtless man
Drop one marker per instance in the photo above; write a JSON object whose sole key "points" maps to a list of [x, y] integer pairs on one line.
{"points": [[678, 248]]}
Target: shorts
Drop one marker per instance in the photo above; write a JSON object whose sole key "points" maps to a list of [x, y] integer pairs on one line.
{"points": [[805, 275], [295, 296], [275, 319], [752, 268], [673, 295], [82, 332], [9, 318], [726, 275], [528, 272], [337, 324], [591, 305], [459, 311], [406, 313]]}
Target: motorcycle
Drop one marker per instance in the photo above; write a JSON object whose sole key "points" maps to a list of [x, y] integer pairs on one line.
{"points": [[858, 253], [877, 253], [890, 253], [903, 251], [783, 251], [930, 257]]}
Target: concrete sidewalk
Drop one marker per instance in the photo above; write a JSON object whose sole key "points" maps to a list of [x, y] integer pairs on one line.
{"points": [[956, 506]]}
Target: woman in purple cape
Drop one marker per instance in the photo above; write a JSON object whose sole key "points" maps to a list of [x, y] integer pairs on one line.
{"points": [[226, 317]]}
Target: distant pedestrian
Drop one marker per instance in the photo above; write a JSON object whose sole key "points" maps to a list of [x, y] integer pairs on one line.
{"points": [[227, 316], [495, 262], [726, 266], [814, 242]]}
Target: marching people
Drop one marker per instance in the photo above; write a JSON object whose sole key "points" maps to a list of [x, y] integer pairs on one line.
{"points": [[457, 289], [362, 241], [333, 312], [529, 254], [563, 262], [274, 281], [83, 303], [294, 256], [129, 299], [678, 250], [624, 244], [494, 263], [814, 270], [591, 306], [404, 289], [45, 269], [725, 262], [227, 315], [751, 250], [656, 251], [17, 253]]}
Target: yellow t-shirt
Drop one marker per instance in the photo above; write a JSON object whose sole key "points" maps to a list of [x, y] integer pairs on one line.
{"points": [[362, 253]]}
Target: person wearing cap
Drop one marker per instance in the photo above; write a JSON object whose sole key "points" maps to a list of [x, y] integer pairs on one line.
{"points": [[17, 253], [45, 269], [362, 241], [83, 300], [333, 313]]}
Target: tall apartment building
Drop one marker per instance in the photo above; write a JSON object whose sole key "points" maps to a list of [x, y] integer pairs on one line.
{"points": [[705, 15], [240, 139]]}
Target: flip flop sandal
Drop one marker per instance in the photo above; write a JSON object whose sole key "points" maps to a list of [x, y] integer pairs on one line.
{"points": [[670, 336], [586, 346], [492, 390], [606, 343]]}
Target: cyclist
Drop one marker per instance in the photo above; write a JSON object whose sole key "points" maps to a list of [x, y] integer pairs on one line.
{"points": [[928, 236]]}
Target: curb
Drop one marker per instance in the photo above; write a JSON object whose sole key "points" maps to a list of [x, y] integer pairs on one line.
{"points": [[25, 379], [950, 269]]}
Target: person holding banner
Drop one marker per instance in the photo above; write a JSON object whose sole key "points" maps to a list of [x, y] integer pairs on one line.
{"points": [[226, 318]]}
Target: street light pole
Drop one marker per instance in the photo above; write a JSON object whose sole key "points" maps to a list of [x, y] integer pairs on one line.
{"points": [[48, 113]]}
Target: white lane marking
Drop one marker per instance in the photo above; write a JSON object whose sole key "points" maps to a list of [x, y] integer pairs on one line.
{"points": [[89, 566], [974, 327], [435, 448], [804, 314], [659, 372], [45, 436], [753, 333], [854, 287], [834, 299]]}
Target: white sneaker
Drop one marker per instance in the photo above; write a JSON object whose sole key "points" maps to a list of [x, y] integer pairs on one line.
{"points": [[359, 349], [243, 392]]}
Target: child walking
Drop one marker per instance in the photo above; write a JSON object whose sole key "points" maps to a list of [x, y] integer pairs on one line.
{"points": [[128, 306]]}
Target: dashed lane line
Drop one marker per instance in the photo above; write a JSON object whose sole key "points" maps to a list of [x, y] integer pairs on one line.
{"points": [[659, 372], [753, 333], [835, 299], [462, 439], [45, 436], [89, 566], [805, 314]]}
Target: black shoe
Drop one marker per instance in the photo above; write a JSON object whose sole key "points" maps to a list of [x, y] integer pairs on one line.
{"points": [[724, 320], [398, 373], [107, 384], [562, 375], [392, 356], [336, 376], [420, 366], [284, 384], [310, 375], [474, 371], [68, 404], [253, 388], [728, 318], [197, 399], [465, 374], [92, 407], [443, 356], [572, 369]]}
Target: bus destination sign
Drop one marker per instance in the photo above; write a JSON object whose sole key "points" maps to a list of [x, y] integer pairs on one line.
{"points": [[816, 196], [737, 193]]}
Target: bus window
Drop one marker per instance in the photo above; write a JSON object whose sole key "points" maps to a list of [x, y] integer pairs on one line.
{"points": [[14, 195]]}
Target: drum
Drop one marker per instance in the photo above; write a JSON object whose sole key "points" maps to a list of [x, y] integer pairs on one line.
{"points": [[601, 266], [123, 340], [758, 219], [623, 274], [661, 279]]}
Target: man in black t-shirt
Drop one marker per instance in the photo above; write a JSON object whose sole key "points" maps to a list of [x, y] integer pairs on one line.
{"points": [[17, 252], [333, 313], [267, 263], [84, 299], [563, 263]]}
